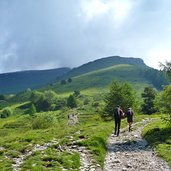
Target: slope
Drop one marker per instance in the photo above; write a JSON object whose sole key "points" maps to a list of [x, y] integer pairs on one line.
{"points": [[100, 79], [19, 81], [103, 63]]}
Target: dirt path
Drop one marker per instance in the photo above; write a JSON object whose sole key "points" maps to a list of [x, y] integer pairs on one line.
{"points": [[130, 152]]}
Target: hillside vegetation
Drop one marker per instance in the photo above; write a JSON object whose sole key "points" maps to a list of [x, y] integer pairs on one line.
{"points": [[103, 71], [138, 77], [19, 81], [37, 133]]}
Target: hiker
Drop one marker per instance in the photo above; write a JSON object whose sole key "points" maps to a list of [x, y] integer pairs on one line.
{"points": [[118, 114], [129, 115]]}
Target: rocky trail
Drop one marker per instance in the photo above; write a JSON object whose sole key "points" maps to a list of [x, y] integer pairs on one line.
{"points": [[130, 152], [86, 159]]}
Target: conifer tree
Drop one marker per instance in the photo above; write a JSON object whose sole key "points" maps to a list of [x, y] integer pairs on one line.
{"points": [[148, 96], [120, 94], [71, 101]]}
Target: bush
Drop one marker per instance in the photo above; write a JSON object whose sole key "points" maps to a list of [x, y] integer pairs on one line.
{"points": [[71, 101], [32, 110], [86, 101], [162, 102], [43, 121], [6, 112]]}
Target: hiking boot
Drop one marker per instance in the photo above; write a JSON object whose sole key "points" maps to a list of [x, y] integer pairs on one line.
{"points": [[130, 129]]}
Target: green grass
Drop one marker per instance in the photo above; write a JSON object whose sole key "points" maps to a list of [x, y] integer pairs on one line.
{"points": [[102, 78], [158, 134], [18, 133]]}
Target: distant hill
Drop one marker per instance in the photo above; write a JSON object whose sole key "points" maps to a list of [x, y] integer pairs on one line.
{"points": [[100, 73], [105, 62], [19, 81]]}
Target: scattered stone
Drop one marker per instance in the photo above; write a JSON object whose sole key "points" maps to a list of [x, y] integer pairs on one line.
{"points": [[116, 161], [132, 151]]}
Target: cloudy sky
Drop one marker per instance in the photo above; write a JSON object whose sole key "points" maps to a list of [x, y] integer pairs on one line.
{"points": [[42, 34]]}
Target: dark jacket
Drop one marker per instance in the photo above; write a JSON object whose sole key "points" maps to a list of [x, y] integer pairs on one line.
{"points": [[118, 113]]}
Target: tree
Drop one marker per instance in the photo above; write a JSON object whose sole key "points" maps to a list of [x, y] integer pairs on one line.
{"points": [[71, 101], [49, 100], [76, 93], [120, 94], [32, 109], [148, 96], [2, 97], [36, 96], [69, 80], [163, 102], [167, 68]]}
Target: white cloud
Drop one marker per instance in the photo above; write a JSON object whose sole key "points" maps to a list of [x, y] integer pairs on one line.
{"points": [[46, 34], [92, 8], [118, 9], [156, 56]]}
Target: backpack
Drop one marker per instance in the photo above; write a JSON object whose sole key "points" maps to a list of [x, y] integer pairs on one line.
{"points": [[129, 113], [117, 113]]}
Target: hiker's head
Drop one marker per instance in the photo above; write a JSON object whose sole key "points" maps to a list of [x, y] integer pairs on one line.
{"points": [[118, 106]]}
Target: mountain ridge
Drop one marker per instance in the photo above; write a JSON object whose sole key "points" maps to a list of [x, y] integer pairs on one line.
{"points": [[105, 62], [34, 79], [15, 82]]}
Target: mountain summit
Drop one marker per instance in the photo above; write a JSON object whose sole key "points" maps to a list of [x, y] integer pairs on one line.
{"points": [[105, 62], [97, 73]]}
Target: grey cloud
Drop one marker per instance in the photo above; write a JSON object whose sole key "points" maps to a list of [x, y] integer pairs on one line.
{"points": [[48, 34]]}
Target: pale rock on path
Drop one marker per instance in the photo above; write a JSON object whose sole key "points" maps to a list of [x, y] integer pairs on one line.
{"points": [[130, 152]]}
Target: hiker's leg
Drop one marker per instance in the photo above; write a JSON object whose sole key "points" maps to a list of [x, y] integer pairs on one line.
{"points": [[119, 123], [115, 126], [130, 126]]}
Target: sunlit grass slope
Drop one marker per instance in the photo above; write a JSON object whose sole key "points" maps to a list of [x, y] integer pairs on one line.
{"points": [[158, 134], [102, 78]]}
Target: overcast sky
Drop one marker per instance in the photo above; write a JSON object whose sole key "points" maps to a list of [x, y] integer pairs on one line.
{"points": [[42, 34]]}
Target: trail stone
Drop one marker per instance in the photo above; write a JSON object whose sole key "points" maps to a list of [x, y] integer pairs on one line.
{"points": [[132, 151]]}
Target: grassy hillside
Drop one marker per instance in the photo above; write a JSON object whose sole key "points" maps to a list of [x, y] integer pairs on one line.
{"points": [[98, 73], [104, 63], [102, 78], [20, 134], [158, 134], [23, 134], [19, 81]]}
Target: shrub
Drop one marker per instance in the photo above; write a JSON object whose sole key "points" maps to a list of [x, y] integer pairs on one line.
{"points": [[95, 104], [6, 112], [86, 101], [32, 109], [76, 93], [43, 121], [71, 101]]}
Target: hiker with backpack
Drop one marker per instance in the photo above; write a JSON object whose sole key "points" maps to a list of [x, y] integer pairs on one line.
{"points": [[118, 114], [129, 115]]}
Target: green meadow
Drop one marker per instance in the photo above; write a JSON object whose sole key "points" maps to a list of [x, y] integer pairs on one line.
{"points": [[38, 117]]}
